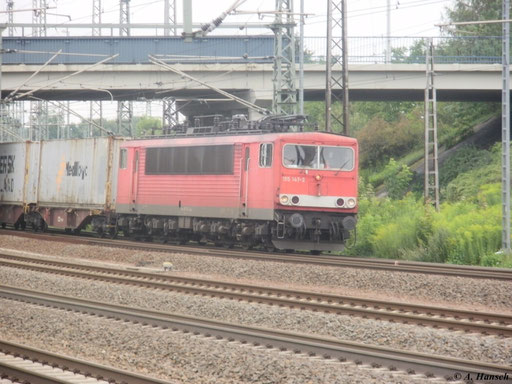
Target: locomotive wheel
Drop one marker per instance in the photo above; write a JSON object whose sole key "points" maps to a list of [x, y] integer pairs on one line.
{"points": [[315, 252], [4, 225], [271, 248], [16, 226]]}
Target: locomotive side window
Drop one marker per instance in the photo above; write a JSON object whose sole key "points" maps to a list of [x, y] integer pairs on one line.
{"points": [[123, 158], [318, 157], [197, 160], [266, 155]]}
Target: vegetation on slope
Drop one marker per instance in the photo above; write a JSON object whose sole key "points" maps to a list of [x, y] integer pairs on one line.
{"points": [[467, 230]]}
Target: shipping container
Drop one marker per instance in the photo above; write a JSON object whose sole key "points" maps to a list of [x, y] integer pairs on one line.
{"points": [[77, 173], [58, 182]]}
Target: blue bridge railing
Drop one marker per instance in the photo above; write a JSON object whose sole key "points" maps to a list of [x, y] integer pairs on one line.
{"points": [[411, 50], [242, 49]]}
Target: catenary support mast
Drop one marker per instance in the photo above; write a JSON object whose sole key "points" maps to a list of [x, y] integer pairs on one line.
{"points": [[505, 129], [124, 107], [284, 100], [336, 63], [431, 183]]}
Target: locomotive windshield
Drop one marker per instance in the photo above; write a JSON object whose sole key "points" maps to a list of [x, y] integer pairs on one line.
{"points": [[318, 157]]}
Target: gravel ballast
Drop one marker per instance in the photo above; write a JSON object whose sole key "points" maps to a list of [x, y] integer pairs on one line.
{"points": [[399, 336], [174, 356], [465, 293], [184, 358]]}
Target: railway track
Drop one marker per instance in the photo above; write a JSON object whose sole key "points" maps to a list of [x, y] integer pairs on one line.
{"points": [[27, 365], [328, 348], [431, 316], [324, 259]]}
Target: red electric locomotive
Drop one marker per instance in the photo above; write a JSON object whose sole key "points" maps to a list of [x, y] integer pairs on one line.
{"points": [[240, 182]]}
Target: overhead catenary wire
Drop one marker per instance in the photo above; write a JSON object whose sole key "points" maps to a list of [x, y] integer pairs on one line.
{"points": [[28, 93], [209, 27], [11, 95], [246, 103], [62, 106]]}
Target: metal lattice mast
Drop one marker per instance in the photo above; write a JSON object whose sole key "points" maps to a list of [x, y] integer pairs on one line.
{"points": [[39, 17], [301, 59], [170, 114], [284, 100], [431, 192], [170, 18], [96, 106], [505, 129], [169, 109], [124, 107], [96, 17], [124, 17], [38, 109], [124, 118], [10, 17], [3, 107], [336, 65], [96, 115]]}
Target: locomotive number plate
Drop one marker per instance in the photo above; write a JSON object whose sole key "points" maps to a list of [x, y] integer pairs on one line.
{"points": [[294, 179]]}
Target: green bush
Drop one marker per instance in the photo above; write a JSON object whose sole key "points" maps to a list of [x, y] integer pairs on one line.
{"points": [[398, 179], [465, 232]]}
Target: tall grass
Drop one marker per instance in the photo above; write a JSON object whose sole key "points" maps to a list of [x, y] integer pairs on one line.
{"points": [[464, 232]]}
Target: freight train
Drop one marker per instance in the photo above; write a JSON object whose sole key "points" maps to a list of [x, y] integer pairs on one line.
{"points": [[259, 183]]}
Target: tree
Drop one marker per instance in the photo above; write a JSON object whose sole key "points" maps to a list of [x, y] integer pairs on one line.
{"points": [[475, 10], [473, 40], [147, 125]]}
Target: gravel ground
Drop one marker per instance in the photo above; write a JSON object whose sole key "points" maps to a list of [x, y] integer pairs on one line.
{"points": [[398, 336], [173, 356], [466, 293]]}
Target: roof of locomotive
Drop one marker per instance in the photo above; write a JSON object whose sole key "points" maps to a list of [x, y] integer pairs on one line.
{"points": [[317, 136]]}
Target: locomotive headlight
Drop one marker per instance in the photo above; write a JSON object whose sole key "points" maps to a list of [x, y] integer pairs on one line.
{"points": [[351, 203], [340, 202], [295, 200], [284, 199], [318, 177]]}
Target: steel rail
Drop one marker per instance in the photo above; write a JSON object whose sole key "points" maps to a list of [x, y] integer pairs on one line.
{"points": [[323, 260], [432, 316], [17, 374], [327, 347], [66, 363]]}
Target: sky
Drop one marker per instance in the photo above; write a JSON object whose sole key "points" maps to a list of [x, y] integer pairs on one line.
{"points": [[365, 18]]}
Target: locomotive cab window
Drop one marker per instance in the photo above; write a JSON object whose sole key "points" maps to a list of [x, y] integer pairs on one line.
{"points": [[318, 157], [123, 158], [266, 155]]}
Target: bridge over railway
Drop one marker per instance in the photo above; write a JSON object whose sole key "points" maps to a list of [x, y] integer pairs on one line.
{"points": [[238, 64]]}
